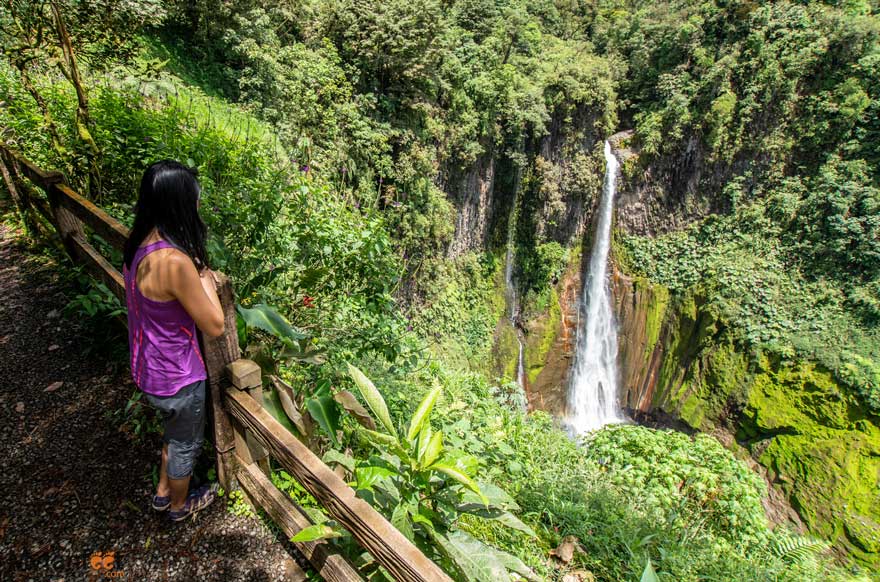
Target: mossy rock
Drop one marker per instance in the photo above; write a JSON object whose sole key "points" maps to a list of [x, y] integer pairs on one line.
{"points": [[798, 396], [543, 331], [505, 353], [703, 370], [822, 451]]}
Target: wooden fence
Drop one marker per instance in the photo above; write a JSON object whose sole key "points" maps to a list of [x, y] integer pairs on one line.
{"points": [[245, 435]]}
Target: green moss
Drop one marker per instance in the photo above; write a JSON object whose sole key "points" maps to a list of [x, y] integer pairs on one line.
{"points": [[798, 396], [547, 330], [702, 373], [821, 450], [655, 312], [692, 411], [506, 351]]}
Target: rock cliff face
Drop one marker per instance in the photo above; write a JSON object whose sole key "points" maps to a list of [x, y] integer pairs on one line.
{"points": [[555, 179], [474, 195], [550, 346], [670, 191]]}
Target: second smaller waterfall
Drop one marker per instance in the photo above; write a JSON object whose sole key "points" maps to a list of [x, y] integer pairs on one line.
{"points": [[511, 291]]}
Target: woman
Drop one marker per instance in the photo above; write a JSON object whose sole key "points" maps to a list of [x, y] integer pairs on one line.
{"points": [[169, 290]]}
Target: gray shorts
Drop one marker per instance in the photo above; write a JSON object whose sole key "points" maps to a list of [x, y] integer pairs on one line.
{"points": [[184, 416]]}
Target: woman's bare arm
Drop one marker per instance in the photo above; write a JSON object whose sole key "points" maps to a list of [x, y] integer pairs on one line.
{"points": [[197, 294]]}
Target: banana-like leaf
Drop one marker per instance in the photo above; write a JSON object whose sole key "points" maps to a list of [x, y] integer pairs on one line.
{"points": [[317, 532], [367, 476], [266, 318], [421, 443], [433, 450], [326, 414], [423, 412], [374, 399], [458, 475], [351, 404], [480, 562], [272, 404], [501, 516], [498, 498], [285, 396], [384, 441]]}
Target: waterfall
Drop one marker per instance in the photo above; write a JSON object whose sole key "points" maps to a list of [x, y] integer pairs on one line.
{"points": [[511, 289], [592, 395]]}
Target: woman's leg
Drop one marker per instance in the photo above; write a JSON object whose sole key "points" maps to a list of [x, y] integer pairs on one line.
{"points": [[185, 443], [176, 488], [163, 489], [179, 489]]}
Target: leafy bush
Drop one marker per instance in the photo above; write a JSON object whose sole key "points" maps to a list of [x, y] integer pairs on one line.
{"points": [[678, 477]]}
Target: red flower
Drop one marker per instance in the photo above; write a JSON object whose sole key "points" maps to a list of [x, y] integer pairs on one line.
{"points": [[307, 301]]}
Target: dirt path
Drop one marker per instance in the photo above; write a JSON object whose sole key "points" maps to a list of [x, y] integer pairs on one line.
{"points": [[72, 484]]}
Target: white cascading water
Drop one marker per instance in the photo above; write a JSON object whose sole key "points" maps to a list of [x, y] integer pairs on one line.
{"points": [[592, 396]]}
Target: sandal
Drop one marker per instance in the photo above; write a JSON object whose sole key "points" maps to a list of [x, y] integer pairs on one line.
{"points": [[195, 502], [161, 503]]}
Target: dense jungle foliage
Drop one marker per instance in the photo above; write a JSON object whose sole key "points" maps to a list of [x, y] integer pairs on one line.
{"points": [[328, 136]]}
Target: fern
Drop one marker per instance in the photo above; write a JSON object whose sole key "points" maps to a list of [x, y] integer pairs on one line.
{"points": [[796, 549]]}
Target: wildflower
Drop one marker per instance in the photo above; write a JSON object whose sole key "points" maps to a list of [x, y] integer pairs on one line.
{"points": [[307, 301], [305, 169], [396, 204]]}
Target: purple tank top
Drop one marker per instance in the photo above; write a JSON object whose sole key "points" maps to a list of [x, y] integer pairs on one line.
{"points": [[165, 354]]}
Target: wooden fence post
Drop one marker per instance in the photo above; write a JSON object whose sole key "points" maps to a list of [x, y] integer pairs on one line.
{"points": [[67, 223], [219, 352], [246, 376]]}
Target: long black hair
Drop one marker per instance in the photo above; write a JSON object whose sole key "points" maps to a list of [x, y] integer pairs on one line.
{"points": [[168, 200]]}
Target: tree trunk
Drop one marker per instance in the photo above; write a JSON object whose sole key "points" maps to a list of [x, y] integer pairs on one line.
{"points": [[83, 119]]}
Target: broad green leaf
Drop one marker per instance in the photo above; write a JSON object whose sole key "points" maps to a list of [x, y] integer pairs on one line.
{"points": [[351, 404], [421, 442], [649, 575], [433, 450], [400, 520], [326, 414], [369, 475], [423, 412], [459, 476], [480, 562], [498, 498], [272, 405], [316, 532], [379, 438], [266, 318], [334, 456], [384, 442], [285, 396], [418, 517], [374, 399], [499, 515]]}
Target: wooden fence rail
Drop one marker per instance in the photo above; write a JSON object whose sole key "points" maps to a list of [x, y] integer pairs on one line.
{"points": [[245, 434]]}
